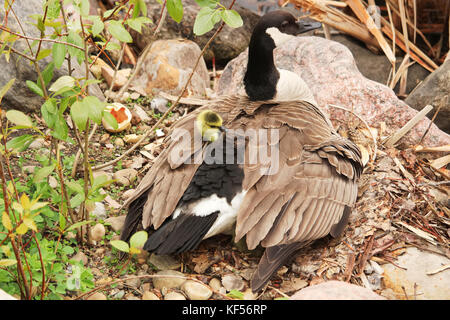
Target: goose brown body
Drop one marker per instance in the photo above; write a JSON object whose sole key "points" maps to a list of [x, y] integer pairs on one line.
{"points": [[310, 195]]}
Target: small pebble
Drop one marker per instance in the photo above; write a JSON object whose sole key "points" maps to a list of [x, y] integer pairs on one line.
{"points": [[148, 295], [196, 291], [172, 295], [97, 296], [98, 232]]}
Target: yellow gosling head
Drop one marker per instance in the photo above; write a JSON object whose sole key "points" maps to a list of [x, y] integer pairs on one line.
{"points": [[210, 125]]}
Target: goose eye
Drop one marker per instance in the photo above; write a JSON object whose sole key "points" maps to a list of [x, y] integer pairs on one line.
{"points": [[284, 24]]}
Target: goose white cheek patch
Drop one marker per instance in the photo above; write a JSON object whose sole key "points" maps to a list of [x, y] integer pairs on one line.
{"points": [[278, 37]]}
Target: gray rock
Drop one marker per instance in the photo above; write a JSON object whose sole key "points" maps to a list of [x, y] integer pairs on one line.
{"points": [[125, 177], [99, 211], [418, 264], [196, 291], [159, 105], [376, 67], [19, 96], [215, 284], [329, 69], [80, 256], [37, 144], [232, 282], [133, 283], [228, 44], [167, 67], [97, 296], [173, 295], [148, 295], [164, 262], [174, 279], [116, 222], [335, 290], [141, 113], [434, 90]]}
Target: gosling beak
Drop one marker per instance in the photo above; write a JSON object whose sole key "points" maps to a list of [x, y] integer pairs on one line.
{"points": [[305, 26]]}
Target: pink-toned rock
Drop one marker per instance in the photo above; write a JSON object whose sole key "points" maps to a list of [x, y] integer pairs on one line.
{"points": [[330, 71], [335, 290], [167, 67]]}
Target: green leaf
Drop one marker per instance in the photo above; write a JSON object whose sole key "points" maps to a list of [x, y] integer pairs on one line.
{"points": [[6, 221], [79, 114], [100, 182], [49, 112], [136, 24], [43, 54], [232, 18], [84, 7], [97, 25], [61, 130], [77, 200], [77, 225], [119, 32], [75, 186], [175, 9], [139, 6], [7, 262], [21, 143], [74, 38], [95, 108], [59, 53], [120, 245], [109, 118], [207, 3], [62, 82], [5, 88], [111, 46], [42, 173], [138, 239], [47, 74], [34, 87], [236, 294], [19, 118], [203, 21], [53, 9]]}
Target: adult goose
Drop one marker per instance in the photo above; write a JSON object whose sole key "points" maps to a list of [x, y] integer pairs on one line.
{"points": [[282, 205]]}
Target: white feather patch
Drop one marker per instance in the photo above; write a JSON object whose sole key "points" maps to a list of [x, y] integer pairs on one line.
{"points": [[291, 87], [226, 217], [278, 37]]}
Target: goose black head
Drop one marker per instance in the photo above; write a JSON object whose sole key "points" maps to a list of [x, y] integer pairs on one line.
{"points": [[280, 25], [210, 125], [272, 30]]}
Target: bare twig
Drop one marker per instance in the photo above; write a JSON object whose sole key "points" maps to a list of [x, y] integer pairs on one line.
{"points": [[393, 139], [175, 104]]}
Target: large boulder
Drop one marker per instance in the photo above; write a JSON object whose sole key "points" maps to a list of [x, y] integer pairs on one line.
{"points": [[435, 90], [227, 45], [19, 96], [335, 290], [167, 67], [330, 71]]}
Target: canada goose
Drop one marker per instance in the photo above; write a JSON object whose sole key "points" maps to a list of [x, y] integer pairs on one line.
{"points": [[304, 195]]}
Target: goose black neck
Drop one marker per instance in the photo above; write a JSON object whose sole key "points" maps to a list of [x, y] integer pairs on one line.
{"points": [[261, 77]]}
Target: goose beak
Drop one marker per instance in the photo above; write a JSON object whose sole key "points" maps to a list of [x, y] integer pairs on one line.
{"points": [[222, 129], [305, 26]]}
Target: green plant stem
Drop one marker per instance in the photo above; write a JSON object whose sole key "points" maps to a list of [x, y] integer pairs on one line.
{"points": [[20, 269], [69, 63], [64, 197], [164, 116], [86, 178], [36, 66]]}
